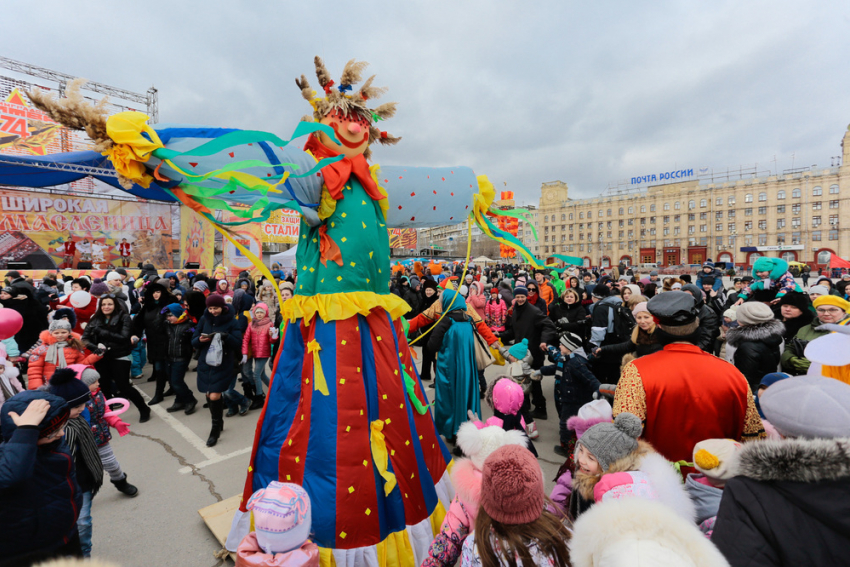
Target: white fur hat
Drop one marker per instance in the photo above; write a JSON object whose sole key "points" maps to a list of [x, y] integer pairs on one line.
{"points": [[478, 444], [113, 276]]}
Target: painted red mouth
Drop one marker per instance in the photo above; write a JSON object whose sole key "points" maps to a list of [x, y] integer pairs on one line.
{"points": [[348, 144]]}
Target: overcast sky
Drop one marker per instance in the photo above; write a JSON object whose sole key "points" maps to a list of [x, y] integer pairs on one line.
{"points": [[584, 92]]}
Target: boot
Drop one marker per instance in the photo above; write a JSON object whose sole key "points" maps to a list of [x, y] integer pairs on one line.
{"points": [[125, 487], [249, 390], [190, 407], [232, 407], [245, 406], [216, 409], [258, 402], [175, 407], [160, 389]]}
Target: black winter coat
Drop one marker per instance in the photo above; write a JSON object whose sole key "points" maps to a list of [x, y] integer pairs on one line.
{"points": [[151, 321], [758, 349], [39, 496], [179, 341], [217, 378], [790, 506], [528, 322], [641, 343], [709, 327], [573, 319], [575, 384], [114, 335]]}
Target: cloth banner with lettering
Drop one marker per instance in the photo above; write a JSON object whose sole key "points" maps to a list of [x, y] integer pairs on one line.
{"points": [[248, 235]]}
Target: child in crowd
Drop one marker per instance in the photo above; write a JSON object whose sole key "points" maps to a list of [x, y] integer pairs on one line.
{"points": [[257, 341], [9, 377], [766, 382], [178, 355], [507, 400], [59, 348], [83, 447], [39, 494], [575, 384], [774, 281], [495, 312], [477, 441], [716, 462], [612, 463], [100, 422], [519, 367], [139, 357], [513, 525], [282, 523]]}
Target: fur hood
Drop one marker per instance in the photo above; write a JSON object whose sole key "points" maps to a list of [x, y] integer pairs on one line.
{"points": [[467, 483], [796, 460], [663, 477], [755, 333], [641, 337], [639, 532]]}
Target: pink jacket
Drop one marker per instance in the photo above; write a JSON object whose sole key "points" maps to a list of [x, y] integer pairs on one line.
{"points": [[477, 300], [257, 340], [495, 313], [250, 554], [460, 519]]}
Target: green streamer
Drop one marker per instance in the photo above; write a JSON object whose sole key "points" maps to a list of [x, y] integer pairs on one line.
{"points": [[410, 385]]}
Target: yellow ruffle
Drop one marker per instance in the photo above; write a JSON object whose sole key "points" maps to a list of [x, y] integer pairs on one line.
{"points": [[339, 306], [385, 202]]}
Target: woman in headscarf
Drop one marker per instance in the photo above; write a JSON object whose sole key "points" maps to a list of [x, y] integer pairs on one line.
{"points": [[151, 322], [457, 390]]}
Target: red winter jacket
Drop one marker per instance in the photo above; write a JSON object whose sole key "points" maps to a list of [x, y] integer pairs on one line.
{"points": [[257, 340], [39, 371]]}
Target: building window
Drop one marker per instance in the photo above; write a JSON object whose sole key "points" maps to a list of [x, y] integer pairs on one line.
{"points": [[780, 223], [762, 240], [748, 212], [762, 210], [643, 208], [676, 231], [691, 229], [824, 256], [748, 225], [571, 216], [652, 208], [796, 193], [833, 234], [563, 217], [692, 217], [731, 200], [833, 189], [692, 205], [546, 218], [731, 214], [718, 227], [703, 216], [833, 220], [609, 212], [780, 209], [666, 206], [816, 236], [581, 215], [763, 224], [718, 242], [795, 222], [620, 235], [703, 203], [703, 228], [731, 227], [666, 220], [621, 210], [817, 191], [718, 215], [631, 234], [666, 231], [795, 209], [631, 210], [631, 222], [748, 198], [780, 195], [652, 232], [719, 201], [643, 221], [762, 196], [677, 205], [816, 221], [833, 204], [795, 238], [748, 240], [621, 224], [600, 213]]}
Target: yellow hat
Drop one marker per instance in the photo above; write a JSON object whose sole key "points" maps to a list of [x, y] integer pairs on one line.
{"points": [[832, 300]]}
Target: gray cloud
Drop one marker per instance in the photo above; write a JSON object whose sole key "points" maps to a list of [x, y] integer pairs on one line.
{"points": [[588, 93]]}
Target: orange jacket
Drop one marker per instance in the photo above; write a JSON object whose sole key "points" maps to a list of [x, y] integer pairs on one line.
{"points": [[40, 371]]}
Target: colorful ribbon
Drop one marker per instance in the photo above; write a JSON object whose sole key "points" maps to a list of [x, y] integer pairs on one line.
{"points": [[133, 144], [328, 249], [410, 386], [319, 382], [380, 456]]}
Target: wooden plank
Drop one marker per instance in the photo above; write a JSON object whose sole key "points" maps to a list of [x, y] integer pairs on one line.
{"points": [[219, 516]]}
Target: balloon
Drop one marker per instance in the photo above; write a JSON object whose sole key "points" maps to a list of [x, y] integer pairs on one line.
{"points": [[80, 299], [10, 323], [125, 405]]}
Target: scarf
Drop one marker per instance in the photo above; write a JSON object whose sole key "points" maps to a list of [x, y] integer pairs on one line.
{"points": [[6, 387], [532, 298], [56, 354], [336, 175], [81, 441], [257, 323]]}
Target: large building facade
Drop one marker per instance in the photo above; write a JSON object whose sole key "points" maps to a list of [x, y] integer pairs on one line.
{"points": [[801, 216]]}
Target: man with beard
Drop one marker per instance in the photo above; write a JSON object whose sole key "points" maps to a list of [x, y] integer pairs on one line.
{"points": [[528, 322]]}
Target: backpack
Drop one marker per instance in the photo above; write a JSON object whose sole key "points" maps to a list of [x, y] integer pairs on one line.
{"points": [[621, 320]]}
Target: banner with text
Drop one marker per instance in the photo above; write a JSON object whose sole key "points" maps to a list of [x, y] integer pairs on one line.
{"points": [[248, 235], [52, 231], [198, 240], [282, 227]]}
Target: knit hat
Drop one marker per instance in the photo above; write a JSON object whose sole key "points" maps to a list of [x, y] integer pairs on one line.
{"points": [[512, 486], [60, 324], [215, 300], [796, 299], [754, 313], [609, 442], [601, 291], [66, 313], [520, 290], [111, 276], [808, 406], [715, 458], [824, 279], [653, 273], [819, 289], [478, 443], [64, 383], [507, 396], [494, 291], [282, 516], [175, 309], [57, 414], [88, 375], [708, 265], [571, 341], [642, 307], [519, 350], [262, 306], [200, 286], [708, 280], [832, 300], [732, 314], [287, 285], [772, 378], [98, 288], [464, 291]]}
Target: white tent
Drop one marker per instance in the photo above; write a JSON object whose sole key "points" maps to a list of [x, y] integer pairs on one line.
{"points": [[285, 259], [482, 260]]}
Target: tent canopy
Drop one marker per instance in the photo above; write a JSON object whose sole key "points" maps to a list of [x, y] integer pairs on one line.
{"points": [[482, 260], [286, 259]]}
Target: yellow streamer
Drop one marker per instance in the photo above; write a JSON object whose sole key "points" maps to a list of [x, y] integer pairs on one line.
{"points": [[130, 150], [319, 382], [380, 455]]}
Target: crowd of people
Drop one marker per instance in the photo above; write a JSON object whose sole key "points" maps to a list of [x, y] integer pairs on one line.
{"points": [[696, 423]]}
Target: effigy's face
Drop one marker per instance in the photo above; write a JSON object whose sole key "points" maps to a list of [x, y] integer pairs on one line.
{"points": [[351, 130]]}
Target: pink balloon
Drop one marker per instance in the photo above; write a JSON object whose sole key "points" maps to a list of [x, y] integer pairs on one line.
{"points": [[10, 323]]}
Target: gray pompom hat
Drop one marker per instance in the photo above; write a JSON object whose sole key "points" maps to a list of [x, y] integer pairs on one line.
{"points": [[609, 442]]}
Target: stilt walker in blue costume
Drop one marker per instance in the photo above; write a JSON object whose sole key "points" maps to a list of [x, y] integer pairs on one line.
{"points": [[346, 415]]}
